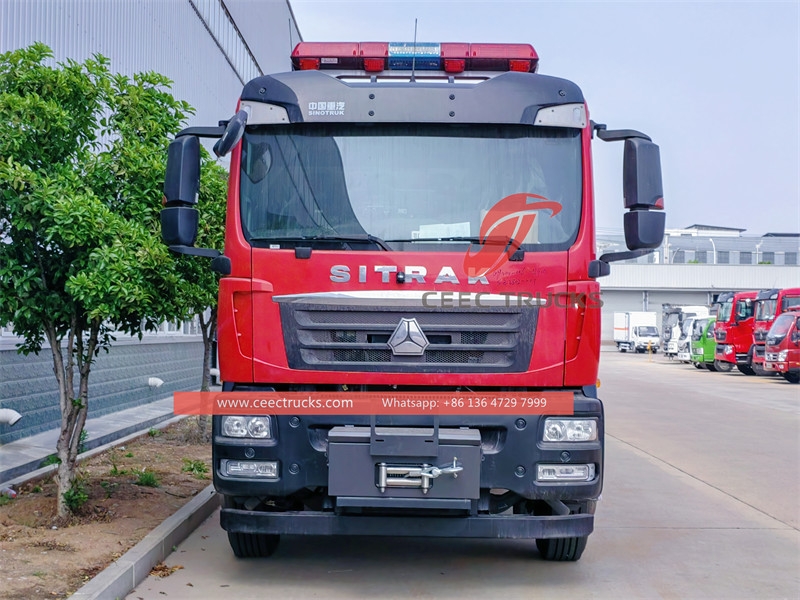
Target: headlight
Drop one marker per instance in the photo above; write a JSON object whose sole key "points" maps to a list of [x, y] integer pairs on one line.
{"points": [[570, 430], [253, 427], [783, 355]]}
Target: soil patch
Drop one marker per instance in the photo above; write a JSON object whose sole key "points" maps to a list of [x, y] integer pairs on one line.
{"points": [[131, 489]]}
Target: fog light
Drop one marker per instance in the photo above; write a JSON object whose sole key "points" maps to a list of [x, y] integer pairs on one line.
{"points": [[564, 472], [250, 468]]}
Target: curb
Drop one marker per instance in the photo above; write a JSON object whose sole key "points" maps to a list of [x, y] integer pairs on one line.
{"points": [[121, 577]]}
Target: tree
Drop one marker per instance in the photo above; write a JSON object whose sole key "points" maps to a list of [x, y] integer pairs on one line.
{"points": [[81, 168]]}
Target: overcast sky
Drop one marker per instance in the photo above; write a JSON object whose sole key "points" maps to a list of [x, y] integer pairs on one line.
{"points": [[715, 84]]}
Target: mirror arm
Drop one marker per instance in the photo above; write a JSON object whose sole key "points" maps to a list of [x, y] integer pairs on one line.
{"points": [[203, 132], [610, 257], [617, 135], [192, 251]]}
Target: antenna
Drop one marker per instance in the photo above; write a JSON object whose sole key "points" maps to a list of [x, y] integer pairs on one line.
{"points": [[414, 52]]}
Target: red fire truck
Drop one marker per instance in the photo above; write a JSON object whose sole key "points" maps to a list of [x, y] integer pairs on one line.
{"points": [[412, 219], [734, 331], [783, 346], [769, 304]]}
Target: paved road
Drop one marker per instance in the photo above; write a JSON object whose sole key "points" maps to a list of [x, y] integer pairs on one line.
{"points": [[701, 500]]}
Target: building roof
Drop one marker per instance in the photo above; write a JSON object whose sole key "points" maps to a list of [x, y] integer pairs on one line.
{"points": [[714, 228]]}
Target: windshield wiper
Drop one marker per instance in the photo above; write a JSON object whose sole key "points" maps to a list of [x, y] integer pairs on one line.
{"points": [[328, 238], [492, 239]]}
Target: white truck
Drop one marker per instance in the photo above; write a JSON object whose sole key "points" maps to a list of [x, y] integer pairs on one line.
{"points": [[672, 325], [636, 331]]}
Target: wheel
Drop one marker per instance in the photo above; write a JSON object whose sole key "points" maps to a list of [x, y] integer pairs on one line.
{"points": [[723, 367], [711, 367], [746, 369], [250, 545], [562, 549], [791, 377], [253, 545], [556, 549], [698, 365]]}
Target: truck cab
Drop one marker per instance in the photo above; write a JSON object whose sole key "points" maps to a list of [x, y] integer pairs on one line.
{"points": [[703, 343], [734, 332], [412, 223], [782, 346], [768, 305]]}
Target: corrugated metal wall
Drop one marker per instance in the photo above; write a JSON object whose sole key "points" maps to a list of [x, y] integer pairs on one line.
{"points": [[181, 39]]}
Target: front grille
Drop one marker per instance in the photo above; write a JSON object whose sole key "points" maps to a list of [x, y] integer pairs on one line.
{"points": [[772, 356], [760, 335], [337, 337]]}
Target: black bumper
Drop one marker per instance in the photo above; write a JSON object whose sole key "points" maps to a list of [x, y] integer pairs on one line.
{"points": [[482, 526]]}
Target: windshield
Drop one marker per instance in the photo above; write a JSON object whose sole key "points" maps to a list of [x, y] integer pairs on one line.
{"points": [[686, 330], [782, 325], [406, 183], [697, 329], [648, 331], [725, 311], [765, 310]]}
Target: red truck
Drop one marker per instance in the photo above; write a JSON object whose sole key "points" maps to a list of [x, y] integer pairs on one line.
{"points": [[733, 331], [768, 305], [782, 350], [412, 219]]}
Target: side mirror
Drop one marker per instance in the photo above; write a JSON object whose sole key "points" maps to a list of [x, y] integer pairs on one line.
{"points": [[642, 189], [233, 133], [644, 195], [179, 218]]}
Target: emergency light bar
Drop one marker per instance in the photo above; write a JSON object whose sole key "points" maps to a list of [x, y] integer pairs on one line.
{"points": [[374, 57]]}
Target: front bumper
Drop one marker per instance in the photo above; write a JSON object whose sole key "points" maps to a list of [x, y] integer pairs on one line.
{"points": [[482, 526], [339, 458]]}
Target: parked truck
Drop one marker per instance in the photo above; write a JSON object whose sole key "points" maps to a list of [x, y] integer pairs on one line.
{"points": [[783, 346], [684, 353], [636, 331], [412, 219], [672, 320], [733, 332], [768, 305], [703, 343]]}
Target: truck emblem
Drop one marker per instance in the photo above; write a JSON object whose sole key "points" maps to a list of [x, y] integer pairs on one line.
{"points": [[408, 339]]}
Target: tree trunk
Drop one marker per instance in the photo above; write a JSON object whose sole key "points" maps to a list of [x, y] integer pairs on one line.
{"points": [[209, 331], [73, 409]]}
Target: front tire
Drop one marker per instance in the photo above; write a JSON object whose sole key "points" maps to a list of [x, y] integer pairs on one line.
{"points": [[723, 367], [746, 369], [562, 549], [711, 367], [250, 545], [791, 377]]}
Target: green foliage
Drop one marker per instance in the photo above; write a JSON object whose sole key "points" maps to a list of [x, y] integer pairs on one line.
{"points": [[82, 441], [37, 489], [82, 158], [5, 499], [50, 460], [76, 496], [196, 467], [148, 479], [129, 455], [153, 432], [109, 487]]}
